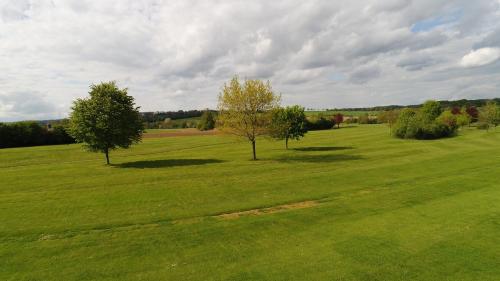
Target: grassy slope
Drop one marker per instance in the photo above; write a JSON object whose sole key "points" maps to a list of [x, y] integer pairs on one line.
{"points": [[392, 210]]}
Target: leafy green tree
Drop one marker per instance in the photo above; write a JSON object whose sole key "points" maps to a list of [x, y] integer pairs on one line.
{"points": [[289, 123], [207, 121], [463, 119], [108, 119], [447, 118], [364, 119], [245, 109], [489, 114], [404, 127], [427, 123], [430, 110], [318, 122]]}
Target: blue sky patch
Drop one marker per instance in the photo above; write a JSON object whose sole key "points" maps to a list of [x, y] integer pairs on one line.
{"points": [[431, 23]]}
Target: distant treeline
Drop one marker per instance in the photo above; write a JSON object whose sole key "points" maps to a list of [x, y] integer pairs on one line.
{"points": [[444, 104], [151, 117], [172, 119], [31, 133]]}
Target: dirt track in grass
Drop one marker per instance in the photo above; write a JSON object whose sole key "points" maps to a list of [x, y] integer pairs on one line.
{"points": [[270, 210]]}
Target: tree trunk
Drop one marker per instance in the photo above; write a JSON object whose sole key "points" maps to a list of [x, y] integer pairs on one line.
{"points": [[106, 151], [253, 148], [286, 143]]}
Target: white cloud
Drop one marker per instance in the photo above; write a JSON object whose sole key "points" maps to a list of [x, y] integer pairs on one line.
{"points": [[480, 57], [177, 54]]}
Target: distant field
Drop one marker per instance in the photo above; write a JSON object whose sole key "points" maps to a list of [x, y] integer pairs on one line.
{"points": [[192, 119], [345, 204], [347, 113], [158, 133], [177, 123]]}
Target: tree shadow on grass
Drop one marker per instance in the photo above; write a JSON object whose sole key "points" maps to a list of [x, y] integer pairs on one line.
{"points": [[324, 158], [323, 148], [167, 163]]}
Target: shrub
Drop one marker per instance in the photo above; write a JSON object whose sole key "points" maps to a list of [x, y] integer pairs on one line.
{"points": [[425, 124], [404, 127], [207, 121], [30, 133], [490, 114], [351, 120], [430, 110], [365, 119], [447, 118], [319, 123], [463, 119]]}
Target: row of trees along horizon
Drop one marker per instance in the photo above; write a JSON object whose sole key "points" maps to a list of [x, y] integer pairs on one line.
{"points": [[109, 119]]}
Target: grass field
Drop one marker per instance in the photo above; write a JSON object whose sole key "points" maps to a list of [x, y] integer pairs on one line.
{"points": [[346, 204]]}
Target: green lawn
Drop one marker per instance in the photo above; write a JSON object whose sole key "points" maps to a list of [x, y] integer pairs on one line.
{"points": [[385, 209]]}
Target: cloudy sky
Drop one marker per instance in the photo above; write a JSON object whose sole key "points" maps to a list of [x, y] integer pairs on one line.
{"points": [[177, 54]]}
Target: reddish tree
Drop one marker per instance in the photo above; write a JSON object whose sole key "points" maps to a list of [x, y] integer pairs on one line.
{"points": [[338, 118], [473, 113], [456, 110]]}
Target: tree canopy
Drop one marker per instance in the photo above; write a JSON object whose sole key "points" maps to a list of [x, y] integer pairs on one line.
{"points": [[289, 123], [489, 114], [338, 119], [431, 110], [245, 109], [107, 120], [207, 121], [430, 122]]}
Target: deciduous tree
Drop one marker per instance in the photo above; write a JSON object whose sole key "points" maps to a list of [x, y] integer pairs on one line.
{"points": [[289, 123], [245, 109], [207, 121], [338, 119], [456, 110], [463, 119], [108, 119], [490, 114], [430, 110], [472, 112]]}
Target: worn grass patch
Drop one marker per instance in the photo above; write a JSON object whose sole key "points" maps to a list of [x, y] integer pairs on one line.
{"points": [[269, 210]]}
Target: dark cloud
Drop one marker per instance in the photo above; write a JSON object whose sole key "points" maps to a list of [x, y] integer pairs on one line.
{"points": [[491, 40]]}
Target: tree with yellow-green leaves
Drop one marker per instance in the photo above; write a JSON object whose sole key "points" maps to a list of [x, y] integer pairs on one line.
{"points": [[245, 109], [489, 115]]}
